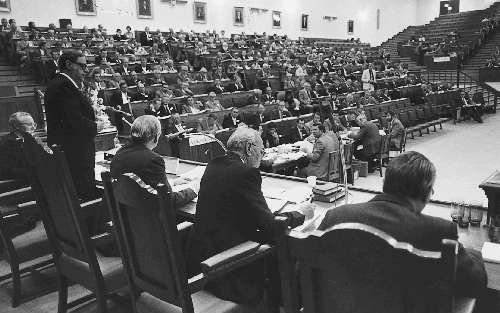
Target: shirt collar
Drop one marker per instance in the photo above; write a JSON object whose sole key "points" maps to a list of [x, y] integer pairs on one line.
{"points": [[71, 80]]}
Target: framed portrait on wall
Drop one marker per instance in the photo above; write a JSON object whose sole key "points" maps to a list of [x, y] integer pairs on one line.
{"points": [[276, 19], [304, 25], [144, 9], [350, 26], [238, 18], [200, 12], [85, 7], [4, 5]]}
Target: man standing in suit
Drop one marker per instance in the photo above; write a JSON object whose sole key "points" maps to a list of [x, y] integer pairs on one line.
{"points": [[137, 157], [369, 78], [396, 130], [408, 186], [320, 155], [232, 119], [231, 209], [367, 141], [71, 122], [175, 132]]}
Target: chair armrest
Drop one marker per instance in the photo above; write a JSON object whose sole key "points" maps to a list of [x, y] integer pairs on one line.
{"points": [[11, 184], [16, 196], [89, 207], [102, 239], [231, 258]]}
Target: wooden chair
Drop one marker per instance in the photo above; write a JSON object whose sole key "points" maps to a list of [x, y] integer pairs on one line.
{"points": [[383, 153], [353, 267], [334, 166], [21, 248], [73, 247], [153, 257]]}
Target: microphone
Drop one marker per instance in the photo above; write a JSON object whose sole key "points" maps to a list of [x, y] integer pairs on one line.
{"points": [[209, 136]]}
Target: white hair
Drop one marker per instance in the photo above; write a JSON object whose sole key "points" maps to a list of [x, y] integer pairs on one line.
{"points": [[145, 129], [240, 138]]}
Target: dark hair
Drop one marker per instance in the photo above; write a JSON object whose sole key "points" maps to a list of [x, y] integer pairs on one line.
{"points": [[391, 113], [271, 125], [321, 127], [410, 175], [69, 55]]}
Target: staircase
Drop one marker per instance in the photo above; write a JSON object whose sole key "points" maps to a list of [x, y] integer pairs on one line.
{"points": [[13, 82], [391, 45], [472, 66]]}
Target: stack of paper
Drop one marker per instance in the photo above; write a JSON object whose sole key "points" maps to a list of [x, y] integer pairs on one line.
{"points": [[194, 174]]}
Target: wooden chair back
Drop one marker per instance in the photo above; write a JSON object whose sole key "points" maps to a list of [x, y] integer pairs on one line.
{"points": [[354, 267], [333, 165], [147, 220], [56, 195]]}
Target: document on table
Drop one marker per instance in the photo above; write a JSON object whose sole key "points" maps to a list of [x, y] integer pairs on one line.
{"points": [[296, 194], [491, 252], [275, 205], [194, 174]]}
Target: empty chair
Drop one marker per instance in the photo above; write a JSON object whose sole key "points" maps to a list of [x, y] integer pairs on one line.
{"points": [[353, 267], [334, 166], [74, 249]]}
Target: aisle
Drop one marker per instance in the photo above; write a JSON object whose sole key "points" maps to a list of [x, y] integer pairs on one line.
{"points": [[464, 155]]}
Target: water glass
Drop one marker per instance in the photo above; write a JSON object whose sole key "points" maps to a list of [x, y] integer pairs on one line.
{"points": [[476, 214], [465, 215], [455, 212]]}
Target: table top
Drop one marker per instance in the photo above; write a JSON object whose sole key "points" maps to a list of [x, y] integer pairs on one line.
{"points": [[493, 181]]}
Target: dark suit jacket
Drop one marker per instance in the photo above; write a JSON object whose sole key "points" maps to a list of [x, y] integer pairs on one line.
{"points": [[117, 100], [276, 116], [218, 90], [140, 97], [12, 161], [227, 122], [121, 70], [71, 124], [51, 68], [230, 210], [394, 216], [295, 135], [369, 137], [149, 166], [138, 68], [233, 87]]}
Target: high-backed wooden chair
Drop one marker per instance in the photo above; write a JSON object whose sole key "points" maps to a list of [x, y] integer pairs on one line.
{"points": [[154, 261], [353, 267], [383, 153], [20, 246], [73, 247], [334, 166]]}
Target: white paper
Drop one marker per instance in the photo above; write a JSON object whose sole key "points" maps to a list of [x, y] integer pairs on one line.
{"points": [[491, 252], [194, 174], [275, 205]]}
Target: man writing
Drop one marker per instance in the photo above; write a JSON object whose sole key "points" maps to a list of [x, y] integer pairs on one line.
{"points": [[320, 155]]}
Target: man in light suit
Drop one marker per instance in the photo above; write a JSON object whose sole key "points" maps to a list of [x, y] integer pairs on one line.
{"points": [[369, 78], [319, 157], [396, 130], [408, 186]]}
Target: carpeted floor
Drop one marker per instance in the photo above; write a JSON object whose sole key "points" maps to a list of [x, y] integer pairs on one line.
{"points": [[464, 155]]}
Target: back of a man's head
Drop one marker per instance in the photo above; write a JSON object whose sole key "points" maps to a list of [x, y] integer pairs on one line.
{"points": [[145, 129], [410, 175], [20, 122], [240, 138]]}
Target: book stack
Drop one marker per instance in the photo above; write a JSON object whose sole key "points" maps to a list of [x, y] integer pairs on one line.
{"points": [[328, 192]]}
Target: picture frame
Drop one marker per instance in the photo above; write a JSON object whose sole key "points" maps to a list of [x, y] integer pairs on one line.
{"points": [[238, 17], [276, 17], [200, 12], [304, 24], [350, 26], [84, 7], [144, 9]]}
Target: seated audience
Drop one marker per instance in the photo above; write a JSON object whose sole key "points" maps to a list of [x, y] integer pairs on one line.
{"points": [[408, 187], [237, 85], [368, 138], [395, 129], [150, 109], [230, 210], [270, 137], [232, 120], [212, 103], [217, 88], [319, 157], [209, 124], [137, 157], [255, 98], [299, 132], [280, 111], [193, 106], [141, 94]]}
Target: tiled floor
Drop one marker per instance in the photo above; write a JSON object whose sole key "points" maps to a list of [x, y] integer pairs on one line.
{"points": [[464, 155]]}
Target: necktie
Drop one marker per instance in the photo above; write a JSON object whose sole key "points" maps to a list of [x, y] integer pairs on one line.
{"points": [[371, 75]]}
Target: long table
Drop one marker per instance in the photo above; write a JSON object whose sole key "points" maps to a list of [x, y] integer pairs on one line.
{"points": [[472, 237]]}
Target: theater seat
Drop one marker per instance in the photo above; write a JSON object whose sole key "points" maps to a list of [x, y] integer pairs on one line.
{"points": [[203, 302]]}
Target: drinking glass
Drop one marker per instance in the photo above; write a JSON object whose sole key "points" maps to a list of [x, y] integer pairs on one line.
{"points": [[476, 213], [455, 211], [465, 215]]}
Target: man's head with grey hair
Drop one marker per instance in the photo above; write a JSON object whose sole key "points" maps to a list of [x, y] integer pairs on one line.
{"points": [[146, 130], [247, 143], [21, 122]]}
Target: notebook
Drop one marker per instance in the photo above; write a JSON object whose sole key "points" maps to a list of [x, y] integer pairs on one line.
{"points": [[491, 252]]}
